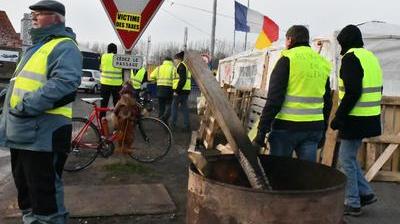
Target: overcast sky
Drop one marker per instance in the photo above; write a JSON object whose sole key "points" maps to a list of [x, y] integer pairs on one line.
{"points": [[90, 22]]}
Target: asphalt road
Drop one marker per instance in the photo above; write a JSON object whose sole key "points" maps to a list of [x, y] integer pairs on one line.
{"points": [[5, 168]]}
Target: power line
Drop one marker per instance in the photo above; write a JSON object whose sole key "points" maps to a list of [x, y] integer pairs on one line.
{"points": [[200, 9], [186, 22], [191, 25]]}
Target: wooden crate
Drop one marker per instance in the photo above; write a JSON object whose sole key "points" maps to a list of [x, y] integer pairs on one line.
{"points": [[380, 155]]}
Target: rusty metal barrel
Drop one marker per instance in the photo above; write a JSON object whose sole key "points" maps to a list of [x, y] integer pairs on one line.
{"points": [[303, 192]]}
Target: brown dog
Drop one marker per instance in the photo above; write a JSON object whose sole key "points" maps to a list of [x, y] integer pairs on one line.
{"points": [[123, 118]]}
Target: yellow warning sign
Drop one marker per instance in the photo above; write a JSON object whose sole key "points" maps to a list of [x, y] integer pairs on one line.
{"points": [[128, 21]]}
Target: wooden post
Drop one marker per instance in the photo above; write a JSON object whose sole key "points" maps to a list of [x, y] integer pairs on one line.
{"points": [[331, 135], [228, 121]]}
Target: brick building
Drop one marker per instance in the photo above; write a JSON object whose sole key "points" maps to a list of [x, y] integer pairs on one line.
{"points": [[8, 37], [10, 44]]}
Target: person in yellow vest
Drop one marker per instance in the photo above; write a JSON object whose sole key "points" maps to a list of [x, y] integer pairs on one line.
{"points": [[137, 79], [36, 119], [181, 86], [111, 78], [163, 75], [358, 115], [298, 101]]}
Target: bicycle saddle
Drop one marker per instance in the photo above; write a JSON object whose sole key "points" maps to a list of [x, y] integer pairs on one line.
{"points": [[91, 100]]}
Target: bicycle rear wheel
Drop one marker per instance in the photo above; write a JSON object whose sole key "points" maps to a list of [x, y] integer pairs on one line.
{"points": [[153, 140], [84, 151]]}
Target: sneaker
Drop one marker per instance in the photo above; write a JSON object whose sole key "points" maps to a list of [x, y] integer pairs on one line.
{"points": [[367, 199], [352, 211]]}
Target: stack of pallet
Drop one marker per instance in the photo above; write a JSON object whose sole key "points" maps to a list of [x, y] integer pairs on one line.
{"points": [[209, 131]]}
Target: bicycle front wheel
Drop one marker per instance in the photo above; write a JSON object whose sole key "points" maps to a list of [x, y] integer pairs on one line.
{"points": [[84, 149], [153, 140]]}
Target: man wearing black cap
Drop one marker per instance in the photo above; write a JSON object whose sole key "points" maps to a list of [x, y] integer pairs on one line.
{"points": [[358, 115], [36, 119], [181, 85]]}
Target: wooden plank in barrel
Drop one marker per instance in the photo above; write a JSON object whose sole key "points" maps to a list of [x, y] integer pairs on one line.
{"points": [[228, 121]]}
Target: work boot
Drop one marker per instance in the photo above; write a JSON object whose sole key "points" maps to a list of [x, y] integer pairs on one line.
{"points": [[367, 199], [352, 211]]}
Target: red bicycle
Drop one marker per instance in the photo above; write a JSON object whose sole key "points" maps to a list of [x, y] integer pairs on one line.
{"points": [[152, 139]]}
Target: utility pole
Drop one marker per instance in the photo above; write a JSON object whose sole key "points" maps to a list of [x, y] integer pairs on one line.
{"points": [[245, 37], [148, 49], [185, 39], [214, 20]]}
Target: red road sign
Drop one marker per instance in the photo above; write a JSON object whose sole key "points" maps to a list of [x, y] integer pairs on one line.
{"points": [[130, 18]]}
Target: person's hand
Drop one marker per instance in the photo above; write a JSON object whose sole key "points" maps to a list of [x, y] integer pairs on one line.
{"points": [[259, 141], [336, 123]]}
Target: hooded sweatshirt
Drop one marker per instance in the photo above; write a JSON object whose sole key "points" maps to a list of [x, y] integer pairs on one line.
{"points": [[352, 73]]}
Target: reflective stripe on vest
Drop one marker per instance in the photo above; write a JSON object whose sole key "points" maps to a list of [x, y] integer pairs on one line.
{"points": [[369, 103], [33, 76], [138, 78], [163, 74], [308, 75], [110, 75], [188, 83]]}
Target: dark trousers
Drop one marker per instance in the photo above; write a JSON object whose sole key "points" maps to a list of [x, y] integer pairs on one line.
{"points": [[37, 176], [105, 93], [164, 110], [182, 101]]}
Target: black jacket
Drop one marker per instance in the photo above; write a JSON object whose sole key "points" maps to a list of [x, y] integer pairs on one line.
{"points": [[181, 70], [276, 96], [352, 73]]}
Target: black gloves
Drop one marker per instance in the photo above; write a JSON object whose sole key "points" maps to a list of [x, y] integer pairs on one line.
{"points": [[259, 141], [337, 123]]}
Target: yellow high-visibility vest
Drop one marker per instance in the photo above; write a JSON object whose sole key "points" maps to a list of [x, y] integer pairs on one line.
{"points": [[163, 74], [308, 74], [33, 76], [110, 75], [369, 103], [137, 79], [188, 83]]}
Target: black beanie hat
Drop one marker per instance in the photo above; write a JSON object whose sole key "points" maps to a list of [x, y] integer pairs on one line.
{"points": [[180, 55], [112, 48], [350, 37]]}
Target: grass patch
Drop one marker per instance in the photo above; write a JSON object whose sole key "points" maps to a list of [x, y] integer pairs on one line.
{"points": [[128, 168]]}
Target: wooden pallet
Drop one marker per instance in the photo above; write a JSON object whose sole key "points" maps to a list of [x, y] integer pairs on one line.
{"points": [[380, 156]]}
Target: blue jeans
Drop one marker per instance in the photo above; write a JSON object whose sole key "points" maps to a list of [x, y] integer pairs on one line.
{"points": [[356, 183], [182, 101], [304, 143]]}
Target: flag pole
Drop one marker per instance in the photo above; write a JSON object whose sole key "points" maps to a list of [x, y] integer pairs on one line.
{"points": [[234, 41], [245, 37], [214, 18]]}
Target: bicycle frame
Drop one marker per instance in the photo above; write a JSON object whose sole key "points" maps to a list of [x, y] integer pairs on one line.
{"points": [[94, 118]]}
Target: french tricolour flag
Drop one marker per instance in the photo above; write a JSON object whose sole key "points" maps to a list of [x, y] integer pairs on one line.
{"points": [[248, 20]]}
